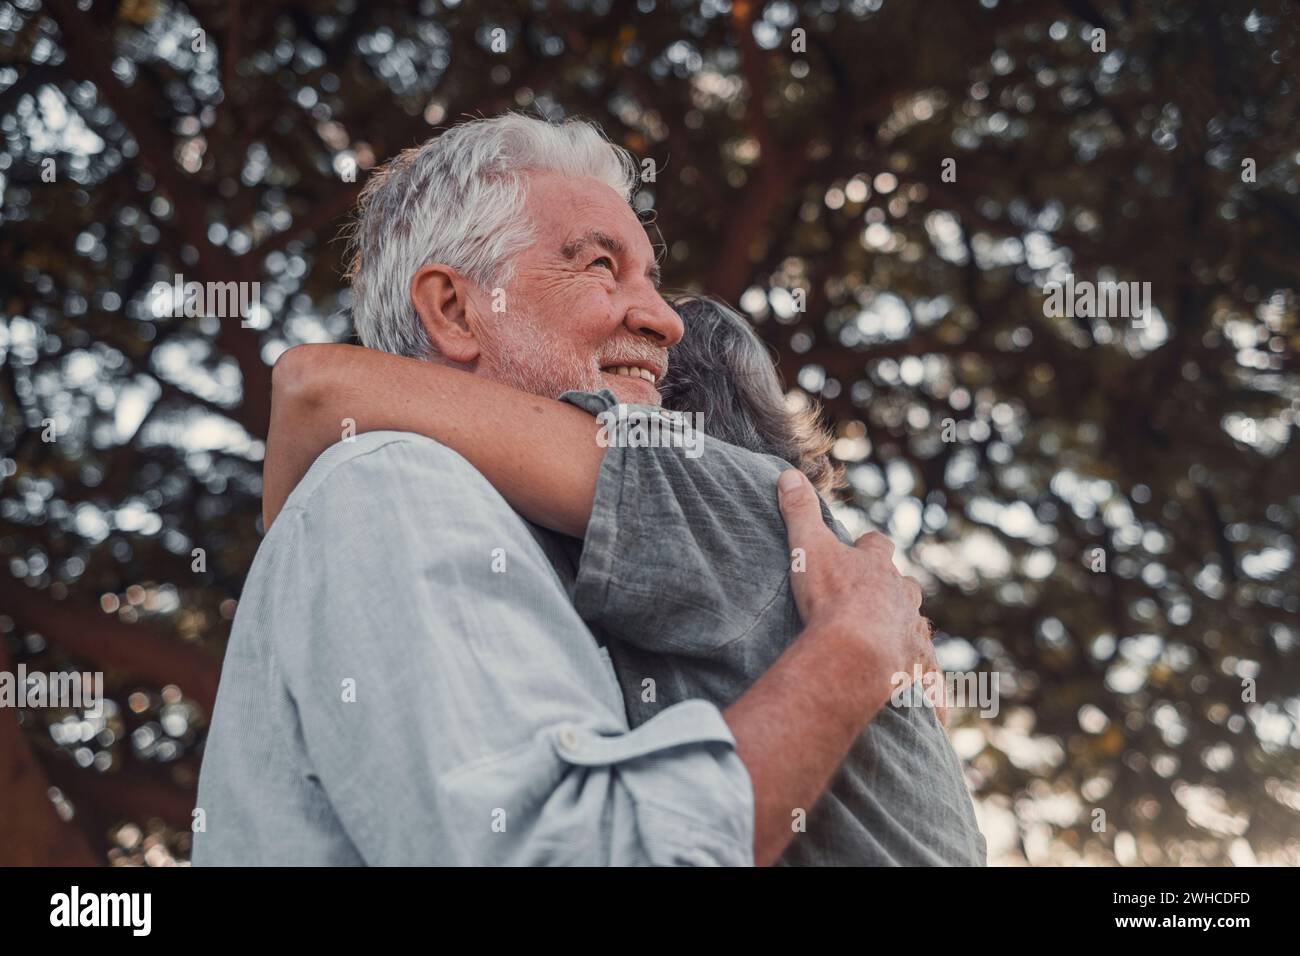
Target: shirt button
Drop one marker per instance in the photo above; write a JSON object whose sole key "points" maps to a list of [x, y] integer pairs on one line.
{"points": [[569, 739]]}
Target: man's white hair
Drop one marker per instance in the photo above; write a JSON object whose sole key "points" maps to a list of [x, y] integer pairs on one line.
{"points": [[458, 200]]}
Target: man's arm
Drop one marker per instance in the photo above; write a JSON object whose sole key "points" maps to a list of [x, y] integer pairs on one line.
{"points": [[450, 701], [795, 725]]}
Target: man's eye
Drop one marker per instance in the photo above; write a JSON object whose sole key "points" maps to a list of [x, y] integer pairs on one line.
{"points": [[606, 261]]}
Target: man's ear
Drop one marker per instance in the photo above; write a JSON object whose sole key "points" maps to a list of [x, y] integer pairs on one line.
{"points": [[443, 299]]}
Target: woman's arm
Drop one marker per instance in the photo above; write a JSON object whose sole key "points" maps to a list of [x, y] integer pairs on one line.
{"points": [[539, 453]]}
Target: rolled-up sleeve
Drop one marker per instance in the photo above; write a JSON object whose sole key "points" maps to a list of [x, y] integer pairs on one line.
{"points": [[669, 793], [450, 701]]}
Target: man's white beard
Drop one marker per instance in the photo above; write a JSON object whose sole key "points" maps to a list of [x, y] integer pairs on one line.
{"points": [[537, 362]]}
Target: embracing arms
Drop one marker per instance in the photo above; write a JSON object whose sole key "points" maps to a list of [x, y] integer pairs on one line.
{"points": [[794, 726], [863, 626], [540, 454]]}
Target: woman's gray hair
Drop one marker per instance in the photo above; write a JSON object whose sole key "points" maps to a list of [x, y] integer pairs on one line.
{"points": [[722, 369], [458, 200]]}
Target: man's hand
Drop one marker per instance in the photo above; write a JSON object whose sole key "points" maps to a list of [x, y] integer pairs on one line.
{"points": [[862, 627], [856, 589]]}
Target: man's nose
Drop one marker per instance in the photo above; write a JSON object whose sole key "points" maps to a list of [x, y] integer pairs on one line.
{"points": [[655, 319]]}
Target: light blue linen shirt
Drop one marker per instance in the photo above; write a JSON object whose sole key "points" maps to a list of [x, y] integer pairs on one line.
{"points": [[408, 683]]}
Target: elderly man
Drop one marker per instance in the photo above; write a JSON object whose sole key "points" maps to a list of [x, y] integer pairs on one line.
{"points": [[388, 699]]}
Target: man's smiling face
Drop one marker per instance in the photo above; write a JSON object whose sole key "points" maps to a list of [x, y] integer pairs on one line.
{"points": [[583, 310]]}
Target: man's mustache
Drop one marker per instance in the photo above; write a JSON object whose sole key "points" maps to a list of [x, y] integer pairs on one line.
{"points": [[637, 354]]}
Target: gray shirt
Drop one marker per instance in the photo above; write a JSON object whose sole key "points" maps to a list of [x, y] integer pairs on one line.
{"points": [[685, 574], [407, 683]]}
